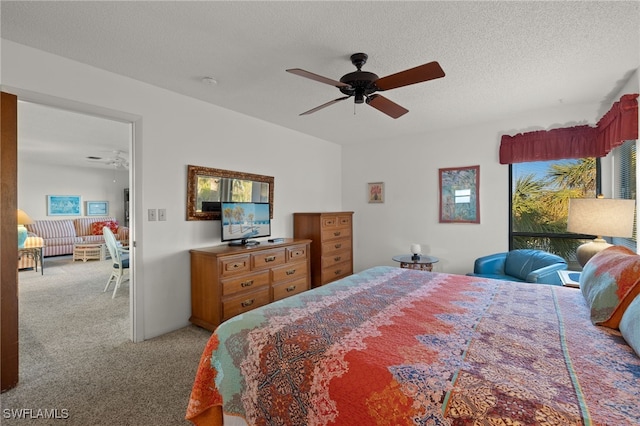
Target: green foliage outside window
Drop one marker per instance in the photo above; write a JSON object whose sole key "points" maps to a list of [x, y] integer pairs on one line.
{"points": [[540, 202]]}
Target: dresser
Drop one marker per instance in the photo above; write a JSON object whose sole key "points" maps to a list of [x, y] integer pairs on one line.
{"points": [[331, 234], [227, 281]]}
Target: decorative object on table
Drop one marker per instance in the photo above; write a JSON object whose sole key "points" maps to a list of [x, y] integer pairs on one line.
{"points": [[376, 192], [422, 263], [23, 219], [601, 217], [570, 278], [64, 205], [97, 208], [460, 194], [416, 250]]}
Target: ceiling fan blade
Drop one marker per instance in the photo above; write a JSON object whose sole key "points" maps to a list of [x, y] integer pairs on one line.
{"points": [[386, 106], [421, 73], [316, 77], [311, 111]]}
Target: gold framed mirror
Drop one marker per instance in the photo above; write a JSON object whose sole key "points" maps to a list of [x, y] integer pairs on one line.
{"points": [[207, 188]]}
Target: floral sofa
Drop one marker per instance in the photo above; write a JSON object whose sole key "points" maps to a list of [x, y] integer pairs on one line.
{"points": [[60, 235]]}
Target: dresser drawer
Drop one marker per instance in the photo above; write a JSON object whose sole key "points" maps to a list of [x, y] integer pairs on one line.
{"points": [[289, 272], [239, 305], [331, 247], [235, 265], [244, 283], [336, 271], [334, 259], [290, 288], [297, 253], [336, 221], [268, 259], [335, 233]]}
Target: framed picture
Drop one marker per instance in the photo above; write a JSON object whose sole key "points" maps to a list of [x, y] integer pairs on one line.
{"points": [[376, 192], [64, 205], [460, 195], [97, 208]]}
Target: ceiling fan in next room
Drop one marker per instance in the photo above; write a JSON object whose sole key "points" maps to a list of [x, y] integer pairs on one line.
{"points": [[362, 85], [117, 160]]}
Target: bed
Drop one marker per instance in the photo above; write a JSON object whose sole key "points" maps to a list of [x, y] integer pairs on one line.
{"points": [[392, 346]]}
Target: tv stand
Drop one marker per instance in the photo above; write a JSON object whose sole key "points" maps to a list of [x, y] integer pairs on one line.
{"points": [[244, 242]]}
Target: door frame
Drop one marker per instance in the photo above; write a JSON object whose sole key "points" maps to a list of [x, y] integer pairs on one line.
{"points": [[9, 363]]}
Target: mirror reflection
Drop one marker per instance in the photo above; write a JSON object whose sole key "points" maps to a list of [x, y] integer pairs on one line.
{"points": [[208, 187]]}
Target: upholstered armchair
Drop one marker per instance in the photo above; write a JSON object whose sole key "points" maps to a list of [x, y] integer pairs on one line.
{"points": [[523, 265]]}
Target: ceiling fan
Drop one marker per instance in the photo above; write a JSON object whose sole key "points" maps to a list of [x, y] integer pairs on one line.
{"points": [[117, 161], [363, 84]]}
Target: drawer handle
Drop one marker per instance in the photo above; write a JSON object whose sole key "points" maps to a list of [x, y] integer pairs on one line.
{"points": [[297, 253], [337, 258], [330, 222], [338, 246], [246, 283], [236, 265], [338, 272], [247, 303], [291, 288], [337, 233], [269, 259], [290, 272]]}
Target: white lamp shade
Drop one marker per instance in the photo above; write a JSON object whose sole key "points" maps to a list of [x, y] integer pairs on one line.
{"points": [[601, 217]]}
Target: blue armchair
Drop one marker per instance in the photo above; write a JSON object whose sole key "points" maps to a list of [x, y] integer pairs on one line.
{"points": [[524, 265]]}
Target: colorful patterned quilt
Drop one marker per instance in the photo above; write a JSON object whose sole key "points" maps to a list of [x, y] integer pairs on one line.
{"points": [[391, 346]]}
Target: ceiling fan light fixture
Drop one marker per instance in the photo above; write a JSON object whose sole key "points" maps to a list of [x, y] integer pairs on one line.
{"points": [[363, 84], [210, 81]]}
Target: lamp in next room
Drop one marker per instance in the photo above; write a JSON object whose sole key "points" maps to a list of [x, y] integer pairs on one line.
{"points": [[23, 219], [601, 217]]}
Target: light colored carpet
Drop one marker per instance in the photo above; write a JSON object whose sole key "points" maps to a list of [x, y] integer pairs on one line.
{"points": [[76, 355]]}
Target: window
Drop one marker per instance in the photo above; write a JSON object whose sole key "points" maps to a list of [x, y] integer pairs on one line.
{"points": [[624, 171], [540, 193]]}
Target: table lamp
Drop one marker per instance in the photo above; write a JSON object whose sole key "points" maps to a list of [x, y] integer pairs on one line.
{"points": [[601, 217], [23, 219]]}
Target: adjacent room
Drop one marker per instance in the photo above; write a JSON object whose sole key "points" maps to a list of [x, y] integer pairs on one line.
{"points": [[413, 210]]}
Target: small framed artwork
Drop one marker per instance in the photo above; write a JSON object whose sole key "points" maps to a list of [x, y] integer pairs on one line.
{"points": [[64, 205], [460, 195], [376, 192], [97, 208]]}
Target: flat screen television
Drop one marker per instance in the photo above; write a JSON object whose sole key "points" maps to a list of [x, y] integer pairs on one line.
{"points": [[242, 221]]}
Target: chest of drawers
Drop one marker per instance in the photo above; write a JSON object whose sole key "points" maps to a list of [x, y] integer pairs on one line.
{"points": [[331, 234], [227, 281]]}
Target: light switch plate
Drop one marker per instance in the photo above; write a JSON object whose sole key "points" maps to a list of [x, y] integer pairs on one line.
{"points": [[162, 214], [152, 214]]}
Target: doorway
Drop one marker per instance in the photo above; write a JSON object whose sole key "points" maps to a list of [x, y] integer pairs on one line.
{"points": [[29, 149]]}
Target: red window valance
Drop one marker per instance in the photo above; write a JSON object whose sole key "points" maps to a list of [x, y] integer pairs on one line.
{"points": [[618, 125]]}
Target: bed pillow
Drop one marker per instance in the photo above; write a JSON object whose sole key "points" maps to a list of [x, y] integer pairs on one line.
{"points": [[630, 325], [96, 227], [609, 282]]}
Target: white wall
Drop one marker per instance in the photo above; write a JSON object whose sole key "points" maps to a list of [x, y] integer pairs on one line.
{"points": [[36, 181], [172, 131], [409, 169]]}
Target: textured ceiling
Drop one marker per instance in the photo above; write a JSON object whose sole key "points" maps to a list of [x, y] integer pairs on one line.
{"points": [[500, 58]]}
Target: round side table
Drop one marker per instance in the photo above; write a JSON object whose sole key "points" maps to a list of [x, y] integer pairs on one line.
{"points": [[422, 263]]}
